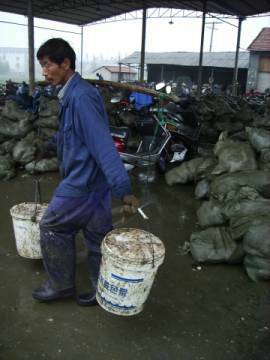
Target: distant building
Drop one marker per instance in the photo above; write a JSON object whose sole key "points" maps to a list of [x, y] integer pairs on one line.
{"points": [[17, 58], [183, 66], [259, 62], [117, 73]]}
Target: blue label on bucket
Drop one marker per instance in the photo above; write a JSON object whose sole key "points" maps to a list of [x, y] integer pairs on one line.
{"points": [[112, 288], [122, 307], [117, 277]]}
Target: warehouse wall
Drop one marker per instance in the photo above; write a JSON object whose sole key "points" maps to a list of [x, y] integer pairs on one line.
{"points": [[222, 76]]}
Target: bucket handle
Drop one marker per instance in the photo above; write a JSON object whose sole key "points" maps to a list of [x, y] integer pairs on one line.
{"points": [[37, 199], [119, 210]]}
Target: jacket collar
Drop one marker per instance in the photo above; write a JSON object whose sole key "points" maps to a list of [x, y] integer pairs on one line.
{"points": [[73, 82]]}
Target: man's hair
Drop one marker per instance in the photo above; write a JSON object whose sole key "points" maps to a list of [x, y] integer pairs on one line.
{"points": [[57, 50]]}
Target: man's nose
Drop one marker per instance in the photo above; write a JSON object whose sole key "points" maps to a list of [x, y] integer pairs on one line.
{"points": [[44, 72]]}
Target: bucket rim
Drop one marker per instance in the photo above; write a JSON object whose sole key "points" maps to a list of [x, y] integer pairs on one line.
{"points": [[156, 260], [16, 215]]}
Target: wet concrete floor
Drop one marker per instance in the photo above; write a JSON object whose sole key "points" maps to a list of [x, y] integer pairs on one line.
{"points": [[215, 313]]}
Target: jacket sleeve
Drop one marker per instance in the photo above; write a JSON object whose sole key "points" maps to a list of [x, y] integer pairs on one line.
{"points": [[92, 125]]}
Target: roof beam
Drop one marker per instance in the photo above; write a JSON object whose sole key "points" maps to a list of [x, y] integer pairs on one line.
{"points": [[82, 12], [250, 4], [76, 4], [232, 9]]}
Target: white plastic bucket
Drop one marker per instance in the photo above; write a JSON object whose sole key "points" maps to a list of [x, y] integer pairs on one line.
{"points": [[26, 218], [130, 259]]}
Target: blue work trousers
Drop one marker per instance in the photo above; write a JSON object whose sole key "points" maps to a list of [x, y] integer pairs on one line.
{"points": [[63, 219]]}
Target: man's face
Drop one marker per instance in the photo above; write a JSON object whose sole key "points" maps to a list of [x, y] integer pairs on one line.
{"points": [[54, 73]]}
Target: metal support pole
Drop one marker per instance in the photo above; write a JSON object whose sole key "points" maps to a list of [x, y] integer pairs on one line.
{"points": [[212, 34], [120, 72], [82, 51], [213, 28], [235, 73], [31, 55], [143, 44], [201, 50], [162, 73]]}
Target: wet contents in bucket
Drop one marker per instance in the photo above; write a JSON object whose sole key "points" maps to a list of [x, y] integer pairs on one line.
{"points": [[27, 210], [134, 245]]}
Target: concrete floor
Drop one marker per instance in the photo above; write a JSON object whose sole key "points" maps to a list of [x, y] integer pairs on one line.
{"points": [[216, 313]]}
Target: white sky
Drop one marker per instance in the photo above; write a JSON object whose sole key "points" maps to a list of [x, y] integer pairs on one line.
{"points": [[122, 38]]}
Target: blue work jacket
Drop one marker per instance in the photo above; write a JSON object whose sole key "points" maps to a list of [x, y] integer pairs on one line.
{"points": [[87, 156]]}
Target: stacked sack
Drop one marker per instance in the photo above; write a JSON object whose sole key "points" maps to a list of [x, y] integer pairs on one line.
{"points": [[220, 113], [234, 217], [19, 130]]}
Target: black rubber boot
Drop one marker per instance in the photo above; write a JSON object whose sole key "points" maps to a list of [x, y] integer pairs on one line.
{"points": [[88, 299], [46, 293]]}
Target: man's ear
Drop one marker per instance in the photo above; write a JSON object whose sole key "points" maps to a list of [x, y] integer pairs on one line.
{"points": [[66, 64]]}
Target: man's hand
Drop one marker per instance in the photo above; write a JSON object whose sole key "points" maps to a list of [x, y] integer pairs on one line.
{"points": [[131, 204]]}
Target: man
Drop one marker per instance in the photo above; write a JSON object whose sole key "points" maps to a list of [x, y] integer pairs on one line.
{"points": [[91, 170], [99, 76]]}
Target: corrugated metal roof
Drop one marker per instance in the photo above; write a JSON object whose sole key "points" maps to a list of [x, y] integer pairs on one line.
{"points": [[261, 42], [116, 69], [80, 12], [213, 59]]}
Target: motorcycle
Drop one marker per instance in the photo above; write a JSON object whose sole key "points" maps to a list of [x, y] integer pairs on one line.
{"points": [[19, 92], [168, 132], [7, 89]]}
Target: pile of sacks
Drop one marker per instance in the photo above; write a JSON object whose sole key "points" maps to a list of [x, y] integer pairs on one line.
{"points": [[19, 130], [219, 113], [234, 217]]}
